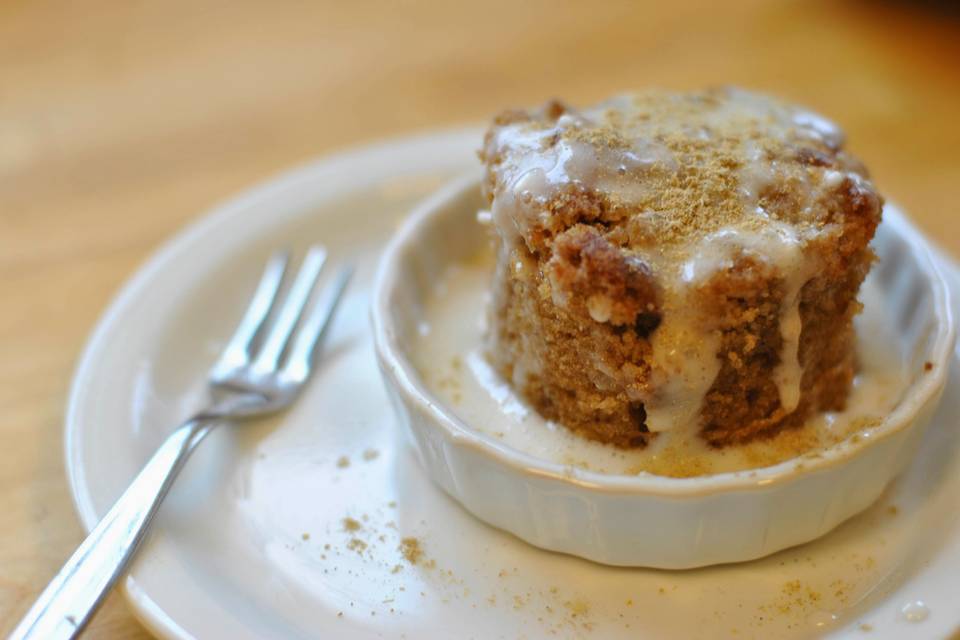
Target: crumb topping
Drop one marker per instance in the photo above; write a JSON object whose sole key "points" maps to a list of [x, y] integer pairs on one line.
{"points": [[666, 167]]}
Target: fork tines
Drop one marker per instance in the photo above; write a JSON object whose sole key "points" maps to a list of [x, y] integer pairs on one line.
{"points": [[283, 341]]}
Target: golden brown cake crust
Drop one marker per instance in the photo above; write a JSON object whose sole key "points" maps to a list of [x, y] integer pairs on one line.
{"points": [[721, 226]]}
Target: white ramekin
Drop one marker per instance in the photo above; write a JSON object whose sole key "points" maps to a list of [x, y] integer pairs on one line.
{"points": [[647, 520]]}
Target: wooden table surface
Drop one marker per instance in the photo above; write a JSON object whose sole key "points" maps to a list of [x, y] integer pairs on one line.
{"points": [[122, 121]]}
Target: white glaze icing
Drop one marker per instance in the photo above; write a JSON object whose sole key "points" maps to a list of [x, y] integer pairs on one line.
{"points": [[781, 246], [683, 366]]}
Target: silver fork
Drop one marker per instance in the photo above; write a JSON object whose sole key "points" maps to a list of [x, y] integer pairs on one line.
{"points": [[261, 371]]}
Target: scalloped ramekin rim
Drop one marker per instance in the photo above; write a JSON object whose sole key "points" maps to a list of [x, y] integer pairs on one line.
{"points": [[405, 380]]}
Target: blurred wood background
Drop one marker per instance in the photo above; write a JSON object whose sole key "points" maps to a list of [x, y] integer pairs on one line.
{"points": [[122, 121]]}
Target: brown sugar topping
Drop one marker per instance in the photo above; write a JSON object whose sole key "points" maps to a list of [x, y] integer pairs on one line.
{"points": [[686, 164]]}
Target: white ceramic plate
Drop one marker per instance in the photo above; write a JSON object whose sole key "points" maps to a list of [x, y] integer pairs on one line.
{"points": [[252, 541]]}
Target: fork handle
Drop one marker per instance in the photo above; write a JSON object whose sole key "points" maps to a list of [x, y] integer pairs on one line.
{"points": [[80, 587]]}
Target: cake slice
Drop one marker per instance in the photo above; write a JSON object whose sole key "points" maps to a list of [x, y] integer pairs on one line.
{"points": [[676, 262]]}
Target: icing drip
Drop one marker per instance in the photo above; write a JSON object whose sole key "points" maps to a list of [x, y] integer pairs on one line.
{"points": [[779, 245], [684, 365], [789, 373]]}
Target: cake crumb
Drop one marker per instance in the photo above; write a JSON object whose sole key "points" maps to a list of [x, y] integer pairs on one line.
{"points": [[343, 462], [577, 607], [304, 536], [842, 590], [358, 545], [371, 454], [866, 627], [349, 524], [411, 550]]}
